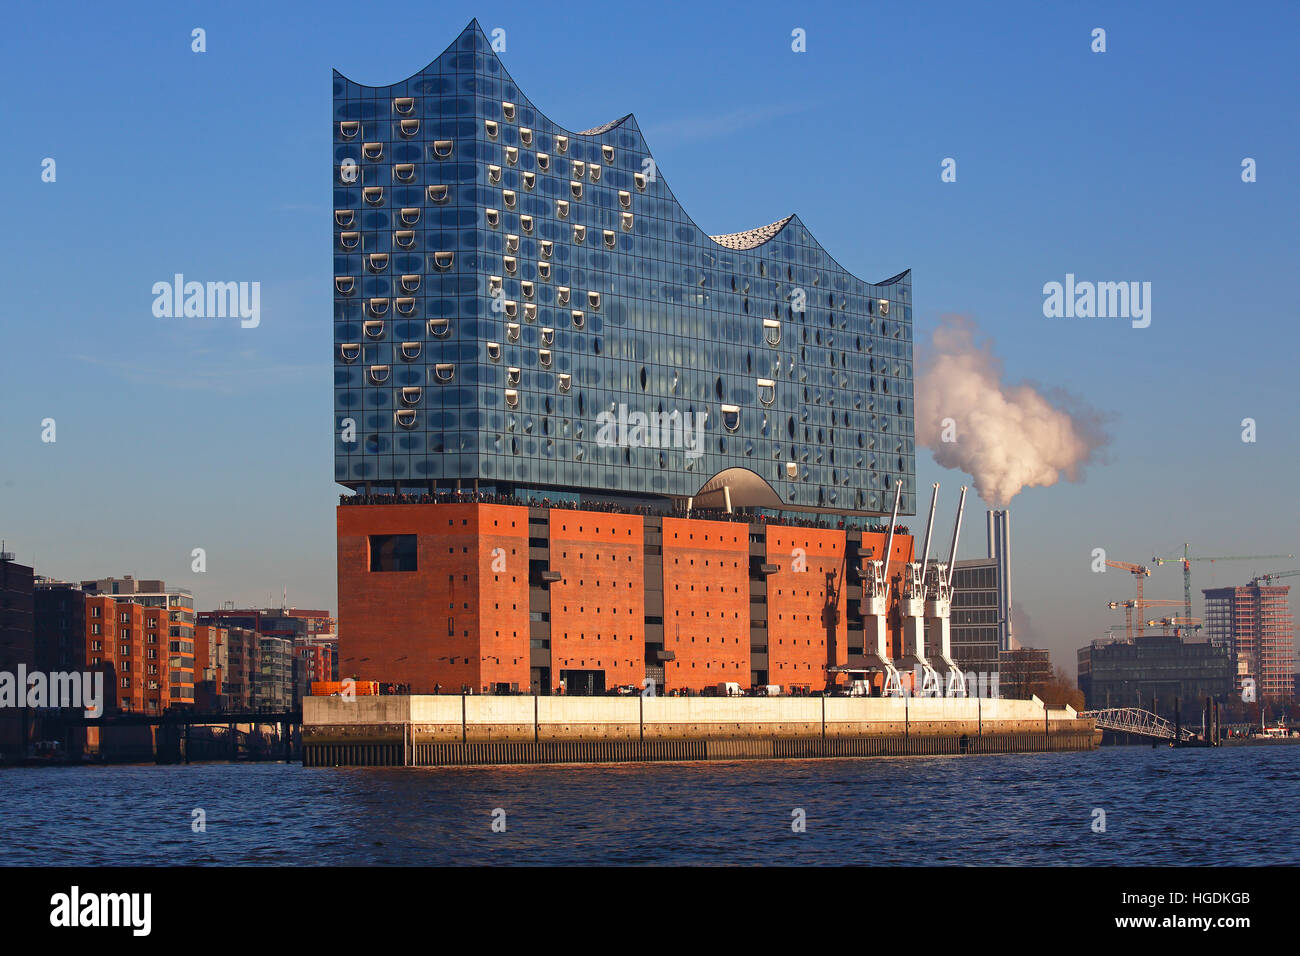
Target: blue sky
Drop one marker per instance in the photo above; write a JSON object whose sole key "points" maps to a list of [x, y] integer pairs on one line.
{"points": [[1124, 165]]}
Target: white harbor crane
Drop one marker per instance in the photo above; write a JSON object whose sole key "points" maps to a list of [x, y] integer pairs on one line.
{"points": [[912, 611], [875, 609], [938, 608]]}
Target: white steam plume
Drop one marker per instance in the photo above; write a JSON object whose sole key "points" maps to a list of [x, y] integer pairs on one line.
{"points": [[1006, 437]]}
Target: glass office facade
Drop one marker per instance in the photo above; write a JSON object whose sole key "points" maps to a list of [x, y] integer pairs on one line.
{"points": [[500, 282]]}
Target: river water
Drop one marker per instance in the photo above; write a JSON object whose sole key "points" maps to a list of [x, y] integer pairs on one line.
{"points": [[1228, 806]]}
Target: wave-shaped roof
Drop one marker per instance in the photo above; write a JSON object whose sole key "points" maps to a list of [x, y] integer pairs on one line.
{"points": [[473, 39]]}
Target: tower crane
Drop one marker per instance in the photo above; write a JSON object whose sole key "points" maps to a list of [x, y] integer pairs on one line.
{"points": [[1186, 561], [1139, 571], [1139, 605], [1273, 576]]}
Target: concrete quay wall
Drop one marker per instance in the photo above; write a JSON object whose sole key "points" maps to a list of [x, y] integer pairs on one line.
{"points": [[404, 725]]}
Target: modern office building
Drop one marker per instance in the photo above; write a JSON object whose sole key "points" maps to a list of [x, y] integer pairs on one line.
{"points": [[179, 606], [1254, 623], [976, 616], [211, 661], [273, 683], [1154, 671], [527, 314]]}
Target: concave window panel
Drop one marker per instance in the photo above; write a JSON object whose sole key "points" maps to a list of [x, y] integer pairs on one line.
{"points": [[548, 336], [508, 110], [443, 148], [411, 351], [512, 155], [444, 260], [409, 128], [512, 397], [374, 329], [444, 371], [625, 199], [494, 175], [438, 195], [512, 243], [439, 328], [544, 356], [404, 105], [544, 162], [494, 351], [493, 217], [378, 374], [411, 283], [405, 417], [492, 128], [345, 284], [405, 305], [350, 351], [344, 217], [565, 381], [525, 136], [404, 238], [561, 144], [411, 395], [731, 417], [772, 331], [526, 224], [394, 552], [766, 391], [593, 301], [377, 261], [349, 240], [378, 306], [640, 180], [512, 376], [410, 215], [579, 233], [594, 172], [372, 151], [562, 295], [348, 129], [607, 152], [512, 331]]}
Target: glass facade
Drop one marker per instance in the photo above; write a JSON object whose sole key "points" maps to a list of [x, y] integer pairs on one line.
{"points": [[505, 289]]}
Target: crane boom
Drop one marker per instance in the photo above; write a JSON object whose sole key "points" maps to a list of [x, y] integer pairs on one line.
{"points": [[889, 544], [929, 527], [956, 530]]}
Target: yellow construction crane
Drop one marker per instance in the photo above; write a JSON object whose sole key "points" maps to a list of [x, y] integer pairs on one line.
{"points": [[1139, 606], [1141, 572]]}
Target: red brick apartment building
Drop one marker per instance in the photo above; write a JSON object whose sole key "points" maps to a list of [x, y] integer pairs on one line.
{"points": [[496, 597], [129, 643]]}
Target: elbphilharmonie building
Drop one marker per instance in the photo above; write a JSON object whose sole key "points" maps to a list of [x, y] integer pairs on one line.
{"points": [[502, 282]]}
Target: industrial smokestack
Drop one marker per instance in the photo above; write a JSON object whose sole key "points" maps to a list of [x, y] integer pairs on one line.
{"points": [[999, 547]]}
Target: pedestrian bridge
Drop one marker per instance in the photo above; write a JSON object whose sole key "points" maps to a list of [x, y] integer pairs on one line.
{"points": [[1132, 720]]}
